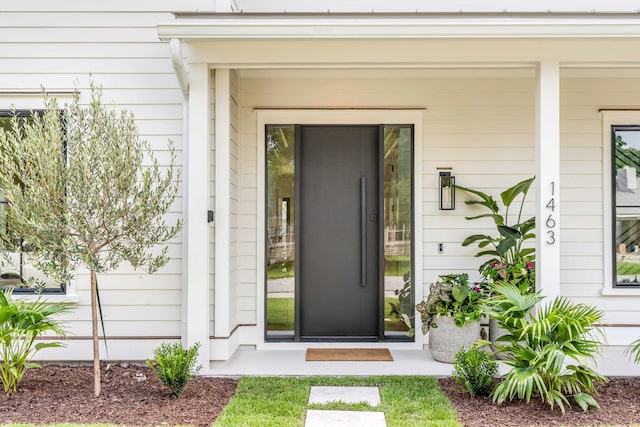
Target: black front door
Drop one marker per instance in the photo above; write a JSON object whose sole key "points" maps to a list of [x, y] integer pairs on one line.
{"points": [[339, 230]]}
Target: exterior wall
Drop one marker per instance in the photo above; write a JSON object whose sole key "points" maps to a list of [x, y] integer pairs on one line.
{"points": [[212, 203], [479, 123], [583, 192], [116, 43]]}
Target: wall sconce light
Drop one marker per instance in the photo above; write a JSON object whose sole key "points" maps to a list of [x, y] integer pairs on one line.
{"points": [[447, 191]]}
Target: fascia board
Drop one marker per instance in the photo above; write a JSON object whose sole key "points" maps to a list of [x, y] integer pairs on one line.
{"points": [[228, 28]]}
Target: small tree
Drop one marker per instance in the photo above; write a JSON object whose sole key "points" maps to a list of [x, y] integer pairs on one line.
{"points": [[81, 193]]}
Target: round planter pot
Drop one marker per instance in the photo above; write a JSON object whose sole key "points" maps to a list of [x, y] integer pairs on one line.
{"points": [[446, 339]]}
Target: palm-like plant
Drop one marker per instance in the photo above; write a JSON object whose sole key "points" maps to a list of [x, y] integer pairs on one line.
{"points": [[21, 322], [539, 345]]}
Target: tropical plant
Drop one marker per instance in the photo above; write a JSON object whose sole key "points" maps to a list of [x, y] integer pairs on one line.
{"points": [[175, 366], [21, 322], [521, 274], [507, 247], [539, 347], [88, 192], [453, 296], [474, 369]]}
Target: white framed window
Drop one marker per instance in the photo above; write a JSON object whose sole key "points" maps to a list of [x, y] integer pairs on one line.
{"points": [[16, 267], [621, 159]]}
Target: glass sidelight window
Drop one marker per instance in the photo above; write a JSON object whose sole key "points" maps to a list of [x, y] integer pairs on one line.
{"points": [[398, 226], [280, 242]]}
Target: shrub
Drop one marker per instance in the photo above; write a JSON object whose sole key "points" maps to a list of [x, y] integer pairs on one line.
{"points": [[474, 369], [538, 346], [21, 322], [175, 366]]}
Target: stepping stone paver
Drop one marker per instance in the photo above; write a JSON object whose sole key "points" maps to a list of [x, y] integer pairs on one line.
{"points": [[324, 418], [323, 394]]}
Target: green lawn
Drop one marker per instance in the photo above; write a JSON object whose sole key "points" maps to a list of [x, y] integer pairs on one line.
{"points": [[282, 402]]}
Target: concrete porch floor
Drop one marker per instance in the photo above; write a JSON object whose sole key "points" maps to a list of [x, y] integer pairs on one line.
{"points": [[249, 362]]}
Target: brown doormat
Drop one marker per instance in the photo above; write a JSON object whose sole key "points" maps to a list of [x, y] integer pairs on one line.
{"points": [[348, 355]]}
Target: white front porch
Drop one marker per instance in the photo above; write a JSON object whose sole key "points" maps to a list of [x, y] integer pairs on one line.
{"points": [[249, 361]]}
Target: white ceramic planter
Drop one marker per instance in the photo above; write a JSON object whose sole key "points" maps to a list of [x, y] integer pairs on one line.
{"points": [[496, 332], [446, 339]]}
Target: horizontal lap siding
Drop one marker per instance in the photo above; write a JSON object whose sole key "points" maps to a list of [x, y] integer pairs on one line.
{"points": [[482, 128], [121, 52], [583, 193]]}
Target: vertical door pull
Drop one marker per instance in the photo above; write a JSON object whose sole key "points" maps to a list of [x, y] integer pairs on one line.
{"points": [[363, 231]]}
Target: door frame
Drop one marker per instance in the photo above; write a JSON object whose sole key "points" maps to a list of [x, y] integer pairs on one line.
{"points": [[414, 116]]}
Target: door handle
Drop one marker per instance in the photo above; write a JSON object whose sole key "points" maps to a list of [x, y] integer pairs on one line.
{"points": [[363, 231]]}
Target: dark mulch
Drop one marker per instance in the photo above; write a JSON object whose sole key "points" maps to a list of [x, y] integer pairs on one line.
{"points": [[619, 399], [133, 396], [130, 395]]}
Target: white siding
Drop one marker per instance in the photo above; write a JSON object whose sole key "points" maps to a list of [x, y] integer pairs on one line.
{"points": [[116, 44], [482, 128]]}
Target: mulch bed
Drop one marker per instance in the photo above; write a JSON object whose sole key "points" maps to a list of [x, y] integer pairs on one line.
{"points": [[619, 399], [131, 396]]}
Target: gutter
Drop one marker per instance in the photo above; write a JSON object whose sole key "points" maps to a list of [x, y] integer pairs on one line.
{"points": [[183, 80]]}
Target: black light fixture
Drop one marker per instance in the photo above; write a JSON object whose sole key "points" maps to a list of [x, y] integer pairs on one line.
{"points": [[447, 184]]}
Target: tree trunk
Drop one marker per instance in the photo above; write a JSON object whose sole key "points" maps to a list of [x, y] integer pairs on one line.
{"points": [[94, 327]]}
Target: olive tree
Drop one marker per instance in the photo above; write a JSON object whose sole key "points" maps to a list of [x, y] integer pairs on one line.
{"points": [[85, 190]]}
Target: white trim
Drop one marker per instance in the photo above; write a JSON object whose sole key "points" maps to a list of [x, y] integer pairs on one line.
{"points": [[197, 230], [387, 117], [222, 202], [610, 118], [548, 172], [376, 27]]}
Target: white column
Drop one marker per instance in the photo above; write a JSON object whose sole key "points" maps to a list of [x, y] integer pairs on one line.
{"points": [[196, 182], [222, 200], [548, 179]]}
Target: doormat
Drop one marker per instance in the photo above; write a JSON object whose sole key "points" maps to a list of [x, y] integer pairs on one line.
{"points": [[348, 355]]}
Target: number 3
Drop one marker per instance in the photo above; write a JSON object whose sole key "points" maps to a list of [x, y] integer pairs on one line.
{"points": [[552, 237]]}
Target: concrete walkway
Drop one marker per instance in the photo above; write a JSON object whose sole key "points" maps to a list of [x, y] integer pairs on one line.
{"points": [[324, 395]]}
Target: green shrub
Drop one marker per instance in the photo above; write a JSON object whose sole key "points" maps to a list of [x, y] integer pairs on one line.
{"points": [[175, 366], [21, 322], [539, 348], [474, 369]]}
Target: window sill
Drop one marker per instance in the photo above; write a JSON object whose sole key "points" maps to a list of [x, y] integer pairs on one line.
{"points": [[621, 292], [48, 297]]}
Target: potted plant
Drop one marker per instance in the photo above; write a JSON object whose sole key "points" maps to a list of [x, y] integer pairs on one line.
{"points": [[451, 314]]}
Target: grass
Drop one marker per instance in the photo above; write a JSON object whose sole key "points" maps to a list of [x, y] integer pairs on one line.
{"points": [[281, 314], [282, 401]]}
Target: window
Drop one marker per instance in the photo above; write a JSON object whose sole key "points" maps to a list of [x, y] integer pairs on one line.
{"points": [[625, 167], [16, 267]]}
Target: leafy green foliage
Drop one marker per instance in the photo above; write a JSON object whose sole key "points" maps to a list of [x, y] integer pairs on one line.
{"points": [[507, 246], [474, 369], [539, 347], [175, 366], [452, 295], [86, 190], [21, 322]]}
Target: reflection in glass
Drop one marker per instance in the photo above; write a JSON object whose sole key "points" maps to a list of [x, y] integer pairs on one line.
{"points": [[398, 278], [627, 204], [280, 255]]}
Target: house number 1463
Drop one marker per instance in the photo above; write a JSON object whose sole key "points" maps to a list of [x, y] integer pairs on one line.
{"points": [[550, 223]]}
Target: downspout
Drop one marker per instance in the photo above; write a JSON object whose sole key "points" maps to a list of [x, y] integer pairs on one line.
{"points": [[183, 80]]}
